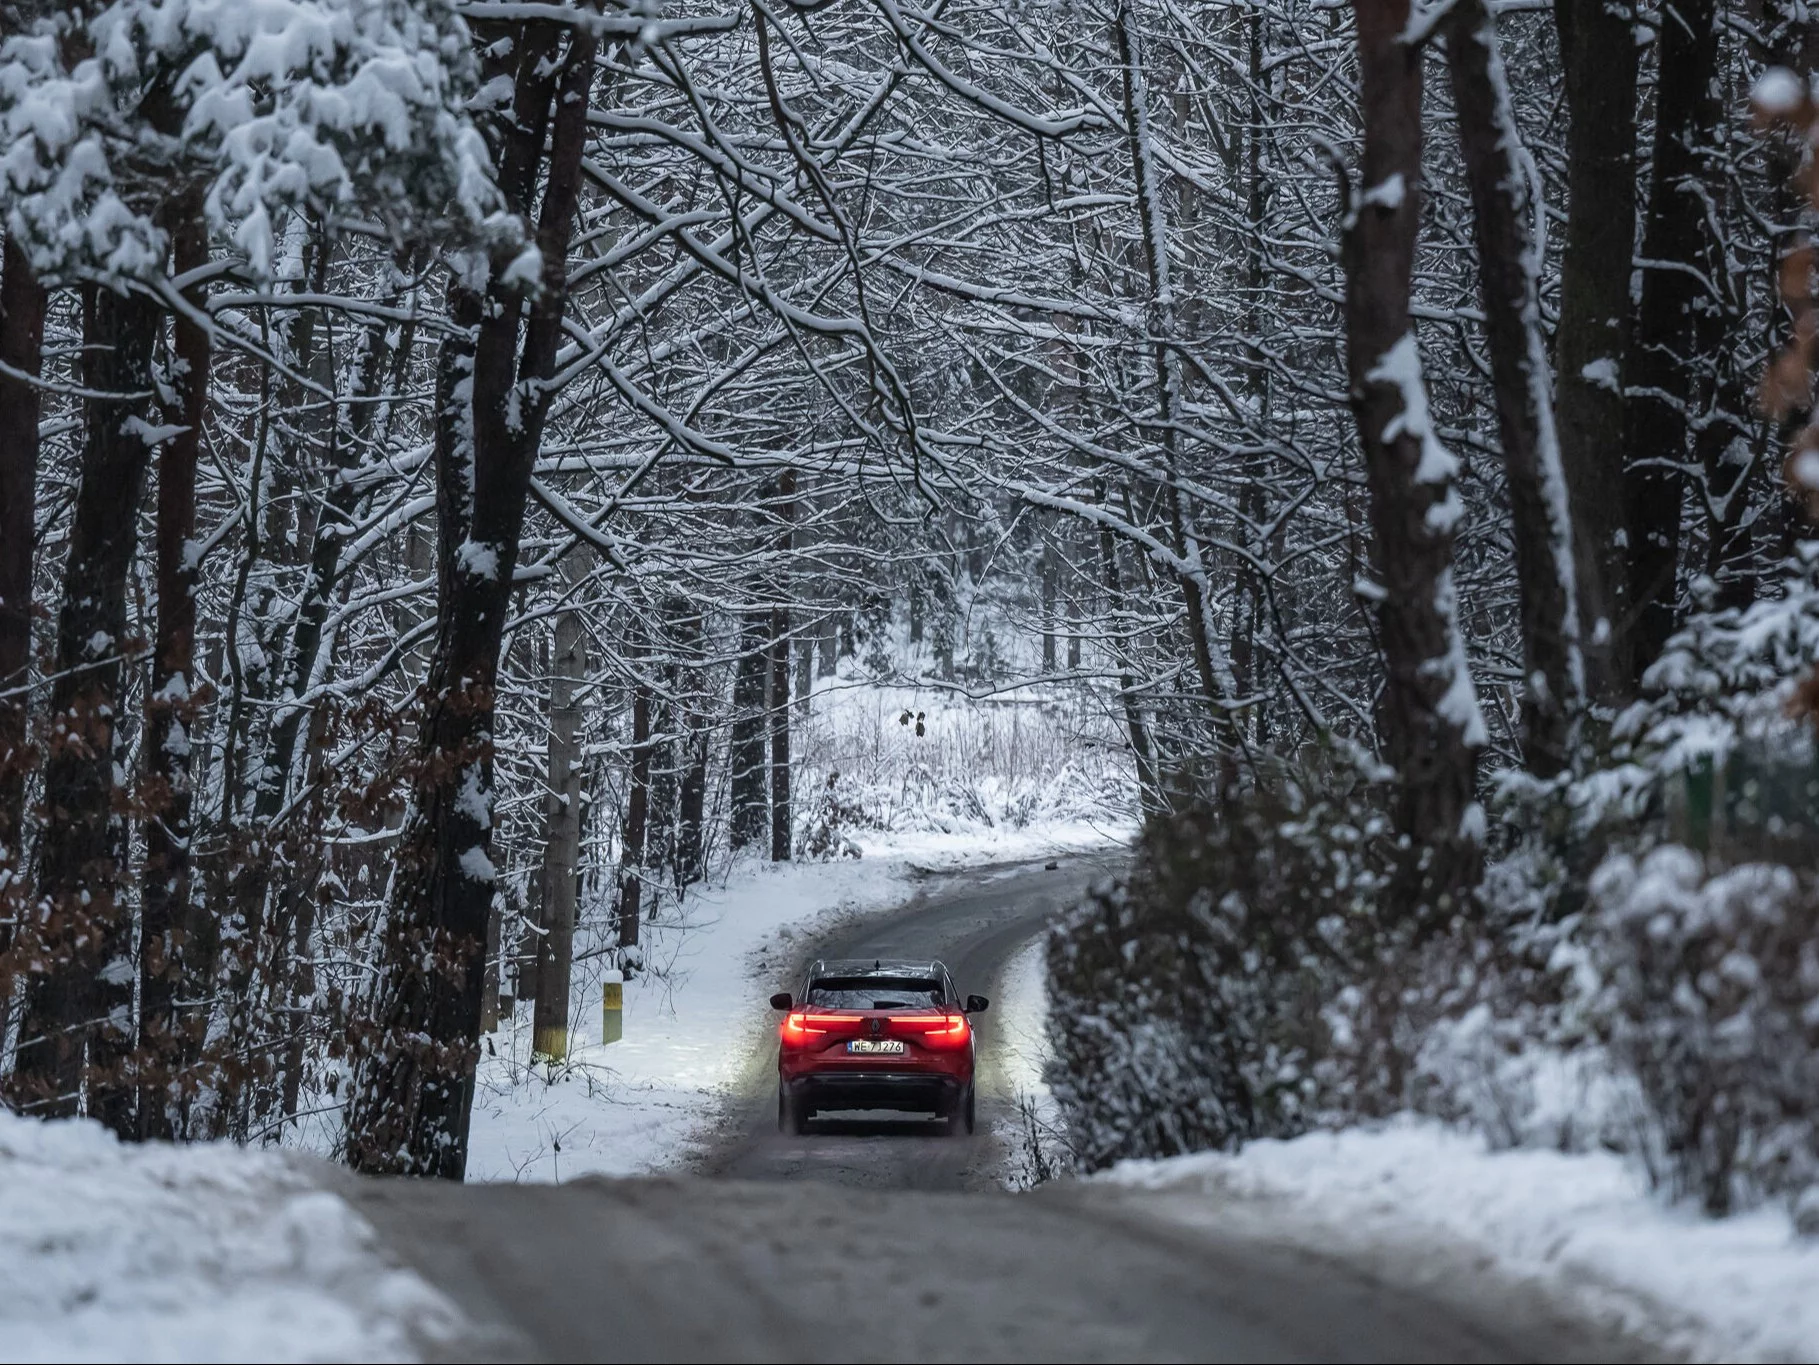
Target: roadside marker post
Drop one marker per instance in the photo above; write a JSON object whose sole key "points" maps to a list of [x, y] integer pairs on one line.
{"points": [[612, 1006]]}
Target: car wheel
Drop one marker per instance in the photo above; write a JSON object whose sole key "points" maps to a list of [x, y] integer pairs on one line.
{"points": [[959, 1119], [792, 1114]]}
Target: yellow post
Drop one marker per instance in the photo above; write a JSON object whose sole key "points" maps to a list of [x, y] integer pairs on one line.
{"points": [[612, 1007]]}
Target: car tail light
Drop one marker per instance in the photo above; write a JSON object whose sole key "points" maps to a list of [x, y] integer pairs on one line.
{"points": [[800, 1025], [936, 1030]]}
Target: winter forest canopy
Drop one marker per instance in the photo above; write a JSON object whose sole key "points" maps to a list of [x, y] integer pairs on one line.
{"points": [[443, 444]]}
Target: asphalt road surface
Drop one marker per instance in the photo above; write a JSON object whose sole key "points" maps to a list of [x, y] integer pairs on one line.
{"points": [[874, 1239]]}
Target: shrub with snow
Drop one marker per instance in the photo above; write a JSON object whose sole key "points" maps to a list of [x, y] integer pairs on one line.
{"points": [[1707, 988], [1234, 986]]}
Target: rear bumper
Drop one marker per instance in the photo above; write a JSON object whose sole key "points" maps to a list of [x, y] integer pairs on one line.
{"points": [[917, 1092]]}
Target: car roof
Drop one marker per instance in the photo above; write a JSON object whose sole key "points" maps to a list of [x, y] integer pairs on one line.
{"points": [[875, 966]]}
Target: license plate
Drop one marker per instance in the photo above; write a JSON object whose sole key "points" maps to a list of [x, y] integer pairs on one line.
{"points": [[875, 1046]]}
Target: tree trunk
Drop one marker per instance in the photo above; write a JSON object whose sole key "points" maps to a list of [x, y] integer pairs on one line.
{"points": [[1149, 786], [1050, 658], [630, 911], [166, 928], [562, 834], [1665, 369], [1553, 672], [1598, 47], [22, 307], [412, 1091], [750, 807], [1429, 715], [778, 701], [77, 1030], [691, 789]]}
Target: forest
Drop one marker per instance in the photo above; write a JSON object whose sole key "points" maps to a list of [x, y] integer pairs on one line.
{"points": [[443, 443]]}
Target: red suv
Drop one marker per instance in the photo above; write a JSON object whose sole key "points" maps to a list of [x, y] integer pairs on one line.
{"points": [[876, 1035]]}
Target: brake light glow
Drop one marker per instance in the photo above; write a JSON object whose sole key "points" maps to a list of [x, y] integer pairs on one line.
{"points": [[939, 1030], [799, 1024]]}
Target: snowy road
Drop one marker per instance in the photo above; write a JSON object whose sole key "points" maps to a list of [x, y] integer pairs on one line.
{"points": [[974, 923], [873, 1241]]}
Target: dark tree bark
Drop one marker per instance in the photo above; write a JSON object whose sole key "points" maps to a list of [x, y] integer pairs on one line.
{"points": [[1599, 50], [22, 307], [167, 931], [630, 910], [1049, 655], [779, 711], [1428, 713], [412, 1091], [750, 801], [689, 854], [77, 1031], [1552, 669], [777, 703], [1667, 376]]}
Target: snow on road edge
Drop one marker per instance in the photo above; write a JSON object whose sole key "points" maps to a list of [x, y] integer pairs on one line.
{"points": [[1582, 1226], [206, 1253]]}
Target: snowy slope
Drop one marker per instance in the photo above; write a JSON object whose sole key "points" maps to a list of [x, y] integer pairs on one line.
{"points": [[1424, 1199], [208, 1252]]}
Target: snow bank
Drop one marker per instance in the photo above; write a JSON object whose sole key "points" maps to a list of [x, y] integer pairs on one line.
{"points": [[1034, 1138], [1581, 1226], [207, 1252]]}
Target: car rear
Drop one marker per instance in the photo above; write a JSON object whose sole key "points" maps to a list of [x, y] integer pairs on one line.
{"points": [[875, 1040]]}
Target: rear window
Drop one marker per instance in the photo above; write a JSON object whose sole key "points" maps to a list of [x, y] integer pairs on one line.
{"points": [[874, 992]]}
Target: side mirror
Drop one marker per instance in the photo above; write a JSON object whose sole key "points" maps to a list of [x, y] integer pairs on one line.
{"points": [[782, 1000], [976, 1004]]}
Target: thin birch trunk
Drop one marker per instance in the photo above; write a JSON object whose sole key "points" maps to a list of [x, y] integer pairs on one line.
{"points": [[562, 832]]}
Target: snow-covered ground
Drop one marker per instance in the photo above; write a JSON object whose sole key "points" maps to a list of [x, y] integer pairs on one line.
{"points": [[648, 1101], [210, 1252], [1034, 1137], [1425, 1199], [1421, 1199]]}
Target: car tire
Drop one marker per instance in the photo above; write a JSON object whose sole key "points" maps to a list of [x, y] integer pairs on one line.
{"points": [[959, 1119], [792, 1114]]}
